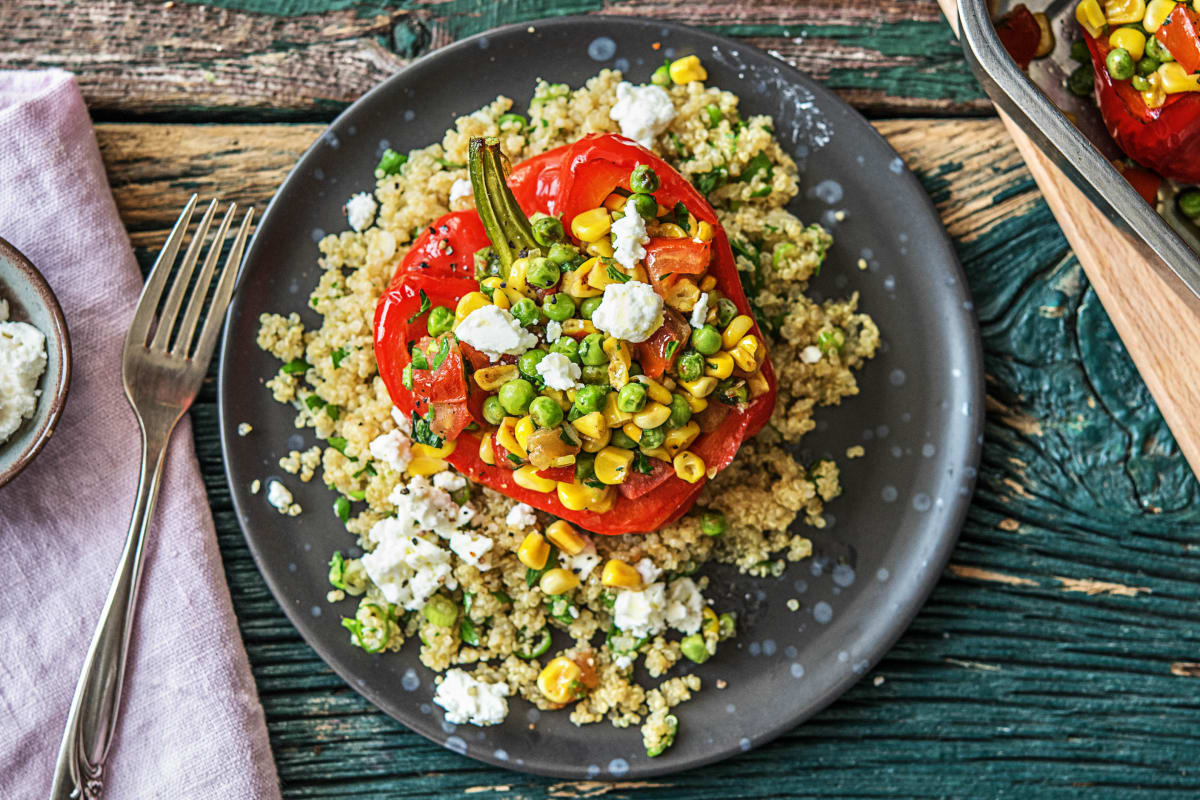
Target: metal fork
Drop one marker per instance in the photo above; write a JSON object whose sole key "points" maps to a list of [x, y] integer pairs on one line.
{"points": [[162, 373]]}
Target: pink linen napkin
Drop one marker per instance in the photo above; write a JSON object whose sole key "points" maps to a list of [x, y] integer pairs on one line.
{"points": [[191, 725]]}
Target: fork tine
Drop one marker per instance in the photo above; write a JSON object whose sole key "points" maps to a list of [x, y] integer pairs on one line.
{"points": [[183, 340], [152, 291], [179, 285], [229, 274]]}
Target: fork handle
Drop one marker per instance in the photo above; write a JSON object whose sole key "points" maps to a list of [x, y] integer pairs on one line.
{"points": [[79, 773]]}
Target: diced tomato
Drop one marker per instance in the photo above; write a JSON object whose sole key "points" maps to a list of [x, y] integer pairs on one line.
{"points": [[450, 419], [1180, 34], [637, 484], [560, 474], [1020, 34], [666, 344], [666, 257], [712, 416]]}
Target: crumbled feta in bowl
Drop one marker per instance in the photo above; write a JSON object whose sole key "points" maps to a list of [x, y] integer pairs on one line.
{"points": [[643, 112], [494, 332], [468, 700], [631, 311], [22, 362], [360, 211]]}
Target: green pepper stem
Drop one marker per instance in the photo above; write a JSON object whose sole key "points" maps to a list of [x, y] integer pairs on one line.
{"points": [[506, 225]]}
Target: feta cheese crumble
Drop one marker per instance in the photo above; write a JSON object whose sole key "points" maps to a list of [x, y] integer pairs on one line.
{"points": [[494, 332], [700, 311], [459, 189], [422, 507], [553, 331], [559, 372], [22, 362], [520, 517], [360, 211], [643, 112], [648, 571], [244, 429], [471, 547], [393, 448], [629, 234], [279, 496], [810, 354], [406, 568], [649, 611], [468, 700], [582, 563], [631, 311]]}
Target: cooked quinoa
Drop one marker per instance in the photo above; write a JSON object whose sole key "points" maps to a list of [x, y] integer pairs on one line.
{"points": [[486, 613]]}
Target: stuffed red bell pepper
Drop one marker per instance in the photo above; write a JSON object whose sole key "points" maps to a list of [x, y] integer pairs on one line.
{"points": [[598, 361]]}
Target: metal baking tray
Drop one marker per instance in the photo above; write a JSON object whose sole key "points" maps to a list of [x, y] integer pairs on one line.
{"points": [[1080, 145]]}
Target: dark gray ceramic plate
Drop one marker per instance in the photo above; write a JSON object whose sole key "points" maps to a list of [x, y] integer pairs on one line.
{"points": [[919, 414]]}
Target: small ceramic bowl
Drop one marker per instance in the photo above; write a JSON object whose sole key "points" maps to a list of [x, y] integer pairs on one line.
{"points": [[31, 300]]}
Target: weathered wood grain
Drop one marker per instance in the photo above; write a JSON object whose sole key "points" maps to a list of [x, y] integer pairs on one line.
{"points": [[1057, 657], [307, 59]]}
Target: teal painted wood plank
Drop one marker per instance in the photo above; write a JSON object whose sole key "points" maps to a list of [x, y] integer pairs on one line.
{"points": [[1014, 681]]}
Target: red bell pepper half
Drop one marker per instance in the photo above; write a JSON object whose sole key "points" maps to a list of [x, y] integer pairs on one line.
{"points": [[1165, 139], [1020, 33], [436, 271]]}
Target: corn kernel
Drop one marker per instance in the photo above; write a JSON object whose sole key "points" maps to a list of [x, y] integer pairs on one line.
{"points": [[573, 495], [652, 415], [445, 450], [558, 581], [469, 302], [618, 574], [591, 225], [591, 425], [500, 299], [718, 365], [517, 272], [687, 69], [711, 623], [1174, 79], [660, 453], [738, 327], [424, 465], [575, 283], [688, 466], [1089, 14], [756, 385], [658, 393], [492, 378], [696, 404], [612, 465], [598, 278], [678, 439], [602, 500], [613, 416], [1130, 39], [681, 294], [1124, 12], [534, 551], [670, 230], [1157, 12], [708, 283], [704, 232], [594, 444], [615, 202], [564, 461], [523, 430], [559, 680], [602, 247], [486, 454], [618, 363], [506, 437], [566, 538], [527, 478], [576, 327], [701, 387]]}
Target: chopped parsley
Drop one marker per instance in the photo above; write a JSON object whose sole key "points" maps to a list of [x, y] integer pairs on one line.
{"points": [[616, 274], [672, 346], [425, 304], [339, 355], [295, 367], [422, 433]]}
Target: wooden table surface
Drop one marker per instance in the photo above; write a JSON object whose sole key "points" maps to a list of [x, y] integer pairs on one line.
{"points": [[1060, 654]]}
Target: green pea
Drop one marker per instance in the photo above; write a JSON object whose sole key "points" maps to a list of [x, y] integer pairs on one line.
{"points": [[1079, 51], [545, 412], [1119, 64], [568, 347], [830, 340], [1148, 66], [487, 263], [653, 438], [714, 115], [726, 311], [543, 273], [622, 439], [693, 648], [589, 306], [1189, 203], [526, 311], [389, 163], [591, 350], [726, 625], [418, 358], [561, 253], [1140, 83], [643, 205], [529, 361], [632, 398], [493, 412], [712, 523], [644, 179], [441, 611], [441, 320], [681, 412], [558, 306], [590, 398], [1081, 80], [733, 391], [1156, 50], [690, 366], [585, 467], [547, 230], [595, 375], [706, 340], [516, 395], [661, 76]]}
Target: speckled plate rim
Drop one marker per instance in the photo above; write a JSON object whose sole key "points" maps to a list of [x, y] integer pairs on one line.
{"points": [[60, 350], [882, 634]]}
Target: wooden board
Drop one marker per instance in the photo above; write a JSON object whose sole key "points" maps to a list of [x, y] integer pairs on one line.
{"points": [[1060, 655], [1157, 317]]}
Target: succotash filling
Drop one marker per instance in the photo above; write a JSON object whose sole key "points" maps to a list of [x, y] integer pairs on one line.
{"points": [[570, 351], [601, 371], [1141, 61]]}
